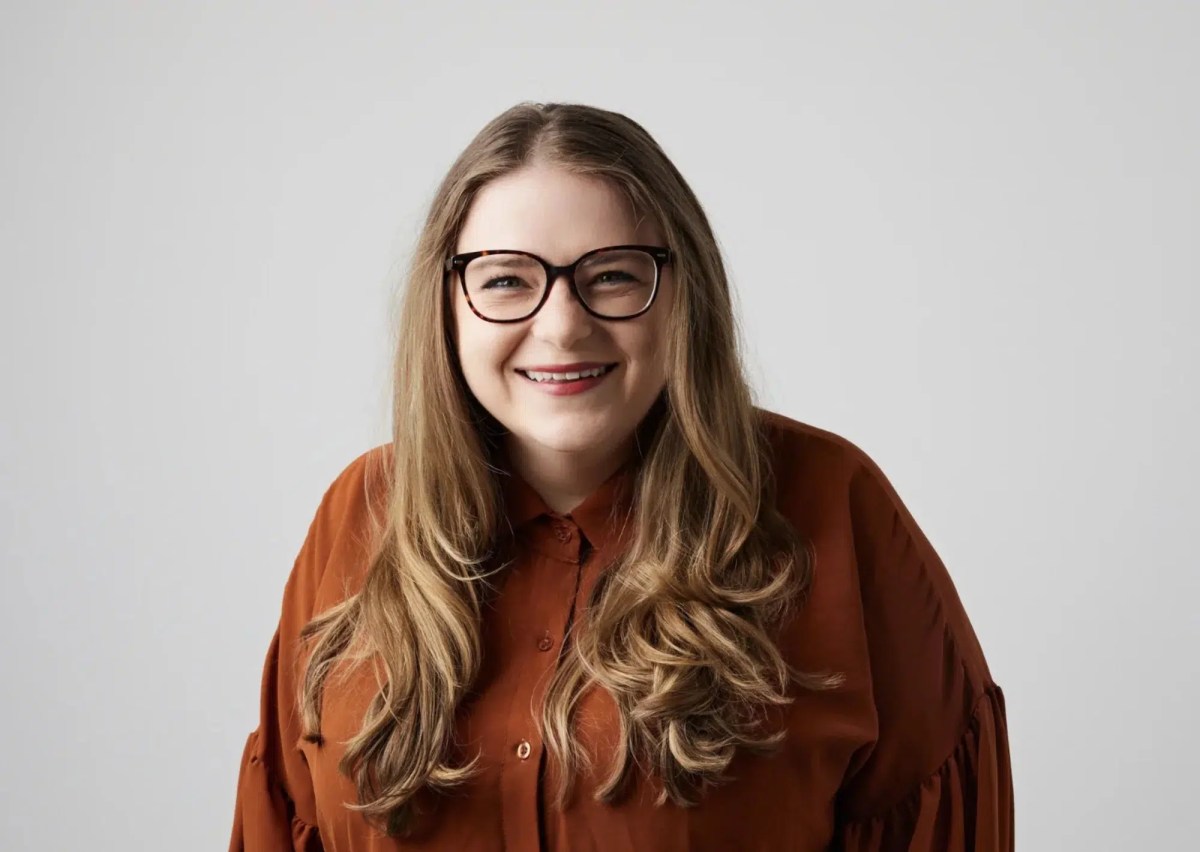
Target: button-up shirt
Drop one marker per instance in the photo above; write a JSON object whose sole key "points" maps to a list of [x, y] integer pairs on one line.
{"points": [[911, 752]]}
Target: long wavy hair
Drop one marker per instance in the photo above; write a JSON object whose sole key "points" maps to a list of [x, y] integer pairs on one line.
{"points": [[679, 629]]}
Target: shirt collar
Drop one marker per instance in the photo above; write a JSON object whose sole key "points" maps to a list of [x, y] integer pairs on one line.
{"points": [[600, 516]]}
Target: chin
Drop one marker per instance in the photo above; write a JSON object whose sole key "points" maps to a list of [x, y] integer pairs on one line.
{"points": [[568, 440], [584, 433]]}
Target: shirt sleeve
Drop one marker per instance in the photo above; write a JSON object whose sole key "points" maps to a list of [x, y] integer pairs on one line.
{"points": [[937, 778], [275, 809]]}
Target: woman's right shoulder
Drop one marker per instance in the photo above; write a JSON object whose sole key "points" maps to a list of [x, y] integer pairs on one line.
{"points": [[360, 483], [341, 535]]}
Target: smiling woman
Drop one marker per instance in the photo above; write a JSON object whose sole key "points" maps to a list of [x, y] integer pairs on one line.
{"points": [[590, 597], [559, 428]]}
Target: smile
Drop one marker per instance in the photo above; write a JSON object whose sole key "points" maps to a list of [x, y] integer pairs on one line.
{"points": [[566, 377], [568, 383]]}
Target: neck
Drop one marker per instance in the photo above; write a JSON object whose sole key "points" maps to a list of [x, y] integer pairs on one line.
{"points": [[565, 479]]}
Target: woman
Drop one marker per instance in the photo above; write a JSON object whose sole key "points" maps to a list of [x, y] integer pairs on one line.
{"points": [[589, 597]]}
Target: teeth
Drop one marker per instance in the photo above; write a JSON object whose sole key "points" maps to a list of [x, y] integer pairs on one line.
{"points": [[563, 377]]}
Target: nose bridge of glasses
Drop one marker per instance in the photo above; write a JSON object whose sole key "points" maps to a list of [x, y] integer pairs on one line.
{"points": [[564, 273]]}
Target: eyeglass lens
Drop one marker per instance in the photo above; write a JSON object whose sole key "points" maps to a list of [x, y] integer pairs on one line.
{"points": [[616, 283]]}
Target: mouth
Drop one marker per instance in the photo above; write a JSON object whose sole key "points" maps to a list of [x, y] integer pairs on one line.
{"points": [[569, 376]]}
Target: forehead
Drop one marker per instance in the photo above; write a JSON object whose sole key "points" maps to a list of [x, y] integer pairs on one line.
{"points": [[553, 213]]}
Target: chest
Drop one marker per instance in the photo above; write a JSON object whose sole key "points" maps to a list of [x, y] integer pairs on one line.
{"points": [[780, 801]]}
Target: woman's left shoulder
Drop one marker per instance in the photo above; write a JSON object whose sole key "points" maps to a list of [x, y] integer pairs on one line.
{"points": [[809, 462], [812, 461], [835, 492], [940, 715]]}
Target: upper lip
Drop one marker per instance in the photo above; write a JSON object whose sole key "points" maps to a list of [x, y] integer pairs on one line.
{"points": [[576, 367]]}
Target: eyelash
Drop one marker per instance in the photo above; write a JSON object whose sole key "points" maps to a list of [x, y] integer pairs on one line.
{"points": [[615, 272]]}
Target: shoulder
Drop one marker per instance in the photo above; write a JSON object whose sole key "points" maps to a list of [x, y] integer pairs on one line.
{"points": [[834, 490], [786, 433], [341, 533], [358, 483], [801, 451], [928, 673], [808, 458]]}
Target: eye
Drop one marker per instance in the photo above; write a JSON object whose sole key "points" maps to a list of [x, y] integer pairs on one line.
{"points": [[613, 276], [504, 282]]}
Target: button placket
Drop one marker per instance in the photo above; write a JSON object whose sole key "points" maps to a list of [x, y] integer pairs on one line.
{"points": [[548, 589]]}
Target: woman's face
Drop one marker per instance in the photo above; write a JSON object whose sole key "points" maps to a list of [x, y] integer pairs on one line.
{"points": [[559, 216]]}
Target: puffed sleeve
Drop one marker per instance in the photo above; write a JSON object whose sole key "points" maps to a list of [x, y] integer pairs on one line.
{"points": [[937, 778], [275, 809]]}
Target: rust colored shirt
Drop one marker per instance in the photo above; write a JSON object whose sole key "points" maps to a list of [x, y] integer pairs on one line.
{"points": [[911, 753]]}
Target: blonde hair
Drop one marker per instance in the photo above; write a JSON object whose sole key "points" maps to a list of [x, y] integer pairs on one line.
{"points": [[678, 630]]}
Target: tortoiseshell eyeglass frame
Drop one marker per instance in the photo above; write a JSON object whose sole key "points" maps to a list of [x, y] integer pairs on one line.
{"points": [[458, 263]]}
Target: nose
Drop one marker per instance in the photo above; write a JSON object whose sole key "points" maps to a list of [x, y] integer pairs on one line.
{"points": [[562, 320]]}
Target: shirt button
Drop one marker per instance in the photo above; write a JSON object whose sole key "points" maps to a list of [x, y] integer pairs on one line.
{"points": [[545, 643], [562, 532], [524, 749]]}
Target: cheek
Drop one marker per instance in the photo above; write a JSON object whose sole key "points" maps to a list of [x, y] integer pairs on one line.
{"points": [[649, 373], [483, 350], [650, 343]]}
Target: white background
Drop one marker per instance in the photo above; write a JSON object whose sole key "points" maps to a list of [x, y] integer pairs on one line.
{"points": [[963, 235]]}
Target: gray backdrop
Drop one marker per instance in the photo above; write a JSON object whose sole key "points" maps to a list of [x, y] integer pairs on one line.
{"points": [[962, 235]]}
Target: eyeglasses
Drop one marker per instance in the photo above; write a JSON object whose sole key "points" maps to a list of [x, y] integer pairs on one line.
{"points": [[612, 283]]}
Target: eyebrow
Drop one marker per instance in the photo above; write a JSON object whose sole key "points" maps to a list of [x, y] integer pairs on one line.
{"points": [[504, 261]]}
